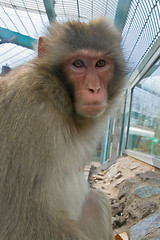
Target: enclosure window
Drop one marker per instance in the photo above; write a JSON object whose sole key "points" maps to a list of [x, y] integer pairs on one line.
{"points": [[144, 128]]}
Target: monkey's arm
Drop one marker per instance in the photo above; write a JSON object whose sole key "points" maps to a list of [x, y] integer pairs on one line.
{"points": [[96, 217]]}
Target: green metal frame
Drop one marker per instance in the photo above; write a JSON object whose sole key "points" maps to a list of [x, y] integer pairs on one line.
{"points": [[49, 6], [8, 36], [121, 13]]}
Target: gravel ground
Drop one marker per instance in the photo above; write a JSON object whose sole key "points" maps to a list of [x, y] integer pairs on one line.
{"points": [[134, 191]]}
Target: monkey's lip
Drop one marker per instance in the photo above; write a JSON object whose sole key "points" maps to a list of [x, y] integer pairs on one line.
{"points": [[93, 108]]}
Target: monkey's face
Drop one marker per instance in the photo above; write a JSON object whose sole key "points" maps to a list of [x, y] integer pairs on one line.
{"points": [[89, 72]]}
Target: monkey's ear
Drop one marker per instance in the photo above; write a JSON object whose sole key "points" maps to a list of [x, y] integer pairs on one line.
{"points": [[41, 47]]}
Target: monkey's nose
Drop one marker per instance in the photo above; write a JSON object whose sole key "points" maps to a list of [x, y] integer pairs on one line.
{"points": [[94, 90]]}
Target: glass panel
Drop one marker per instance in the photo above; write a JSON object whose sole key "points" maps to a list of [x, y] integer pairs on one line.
{"points": [[144, 129]]}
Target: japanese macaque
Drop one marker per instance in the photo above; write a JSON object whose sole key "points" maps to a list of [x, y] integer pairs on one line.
{"points": [[53, 112]]}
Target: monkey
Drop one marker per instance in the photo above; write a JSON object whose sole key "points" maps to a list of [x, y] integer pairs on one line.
{"points": [[53, 113]]}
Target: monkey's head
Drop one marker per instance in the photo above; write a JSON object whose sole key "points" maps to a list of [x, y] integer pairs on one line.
{"points": [[89, 62]]}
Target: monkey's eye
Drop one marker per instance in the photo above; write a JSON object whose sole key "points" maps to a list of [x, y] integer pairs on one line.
{"points": [[101, 63], [78, 64]]}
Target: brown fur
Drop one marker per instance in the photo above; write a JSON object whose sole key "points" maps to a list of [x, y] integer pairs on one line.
{"points": [[44, 145]]}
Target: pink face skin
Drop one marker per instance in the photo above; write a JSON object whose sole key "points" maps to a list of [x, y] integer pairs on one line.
{"points": [[89, 72]]}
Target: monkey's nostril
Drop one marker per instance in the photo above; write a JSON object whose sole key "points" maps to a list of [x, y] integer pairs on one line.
{"points": [[91, 90], [98, 90]]}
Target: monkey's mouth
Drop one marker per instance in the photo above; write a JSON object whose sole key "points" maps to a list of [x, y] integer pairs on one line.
{"points": [[92, 109]]}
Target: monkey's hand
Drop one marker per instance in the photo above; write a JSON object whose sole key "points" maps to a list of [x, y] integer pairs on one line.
{"points": [[68, 229], [96, 217]]}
